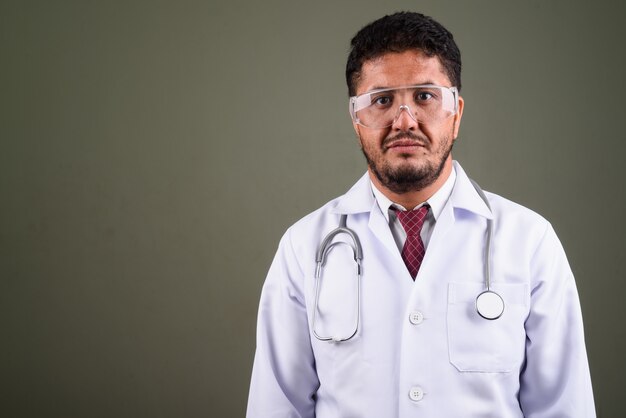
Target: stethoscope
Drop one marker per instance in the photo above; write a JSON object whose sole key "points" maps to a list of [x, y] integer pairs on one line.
{"points": [[489, 304]]}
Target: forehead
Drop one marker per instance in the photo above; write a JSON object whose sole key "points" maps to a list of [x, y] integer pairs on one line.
{"points": [[396, 69]]}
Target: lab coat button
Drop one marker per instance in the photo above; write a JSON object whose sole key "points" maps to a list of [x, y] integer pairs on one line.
{"points": [[416, 317], [416, 393]]}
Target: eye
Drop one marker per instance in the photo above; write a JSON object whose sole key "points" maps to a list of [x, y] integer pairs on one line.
{"points": [[382, 101], [423, 96]]}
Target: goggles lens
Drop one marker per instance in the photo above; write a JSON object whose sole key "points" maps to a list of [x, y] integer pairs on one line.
{"points": [[425, 103]]}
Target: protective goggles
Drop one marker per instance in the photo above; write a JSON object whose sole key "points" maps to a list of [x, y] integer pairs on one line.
{"points": [[425, 103]]}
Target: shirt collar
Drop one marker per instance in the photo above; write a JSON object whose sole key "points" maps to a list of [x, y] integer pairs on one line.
{"points": [[436, 202]]}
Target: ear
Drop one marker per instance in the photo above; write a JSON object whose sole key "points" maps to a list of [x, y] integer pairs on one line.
{"points": [[357, 130], [457, 118]]}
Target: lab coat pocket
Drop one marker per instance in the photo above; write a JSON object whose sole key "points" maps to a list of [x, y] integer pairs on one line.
{"points": [[476, 344]]}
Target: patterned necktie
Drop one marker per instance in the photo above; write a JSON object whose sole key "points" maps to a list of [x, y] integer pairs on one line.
{"points": [[413, 250]]}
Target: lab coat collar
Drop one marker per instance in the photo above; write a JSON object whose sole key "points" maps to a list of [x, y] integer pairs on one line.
{"points": [[465, 196], [360, 198]]}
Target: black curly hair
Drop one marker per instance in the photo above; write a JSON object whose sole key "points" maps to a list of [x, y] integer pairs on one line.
{"points": [[400, 32]]}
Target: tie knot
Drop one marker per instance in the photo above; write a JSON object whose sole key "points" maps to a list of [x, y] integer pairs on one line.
{"points": [[412, 220]]}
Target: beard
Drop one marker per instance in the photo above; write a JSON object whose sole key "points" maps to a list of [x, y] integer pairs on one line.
{"points": [[408, 177]]}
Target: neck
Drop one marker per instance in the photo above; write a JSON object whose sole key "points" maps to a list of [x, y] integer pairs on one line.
{"points": [[414, 198]]}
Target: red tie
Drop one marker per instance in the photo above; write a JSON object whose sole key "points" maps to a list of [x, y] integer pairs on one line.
{"points": [[413, 250]]}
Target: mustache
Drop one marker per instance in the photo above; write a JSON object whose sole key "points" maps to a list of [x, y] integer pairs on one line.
{"points": [[422, 140]]}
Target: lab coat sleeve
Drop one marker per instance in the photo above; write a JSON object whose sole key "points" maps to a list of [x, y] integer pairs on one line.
{"points": [[555, 381], [284, 379]]}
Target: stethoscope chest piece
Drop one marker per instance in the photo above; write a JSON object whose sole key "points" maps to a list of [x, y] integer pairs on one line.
{"points": [[489, 305]]}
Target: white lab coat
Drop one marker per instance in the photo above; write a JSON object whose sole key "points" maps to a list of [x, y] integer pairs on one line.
{"points": [[421, 349]]}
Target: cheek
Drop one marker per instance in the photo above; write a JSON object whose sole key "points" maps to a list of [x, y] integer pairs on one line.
{"points": [[434, 134], [371, 140]]}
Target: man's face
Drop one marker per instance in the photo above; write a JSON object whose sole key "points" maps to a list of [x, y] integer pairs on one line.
{"points": [[408, 155]]}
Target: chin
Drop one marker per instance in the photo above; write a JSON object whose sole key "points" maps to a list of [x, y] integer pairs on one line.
{"points": [[411, 166]]}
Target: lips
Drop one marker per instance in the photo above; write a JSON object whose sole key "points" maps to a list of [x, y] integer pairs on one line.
{"points": [[404, 144]]}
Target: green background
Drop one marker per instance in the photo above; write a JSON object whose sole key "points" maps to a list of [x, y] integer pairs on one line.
{"points": [[153, 153]]}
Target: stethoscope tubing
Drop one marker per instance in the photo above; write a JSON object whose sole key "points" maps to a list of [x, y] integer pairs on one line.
{"points": [[320, 258], [489, 304]]}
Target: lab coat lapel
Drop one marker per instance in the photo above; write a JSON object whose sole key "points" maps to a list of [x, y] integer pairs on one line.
{"points": [[442, 226], [360, 199], [463, 197], [380, 228]]}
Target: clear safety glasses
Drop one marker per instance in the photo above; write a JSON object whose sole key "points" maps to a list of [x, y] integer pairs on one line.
{"points": [[425, 103]]}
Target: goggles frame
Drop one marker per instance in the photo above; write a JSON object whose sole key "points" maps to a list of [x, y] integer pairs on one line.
{"points": [[449, 101]]}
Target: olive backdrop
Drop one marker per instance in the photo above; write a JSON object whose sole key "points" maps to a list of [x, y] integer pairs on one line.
{"points": [[152, 153]]}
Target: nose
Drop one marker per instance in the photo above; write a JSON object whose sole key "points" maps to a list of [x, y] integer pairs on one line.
{"points": [[404, 120]]}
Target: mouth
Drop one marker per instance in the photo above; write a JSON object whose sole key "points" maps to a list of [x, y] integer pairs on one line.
{"points": [[404, 145]]}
